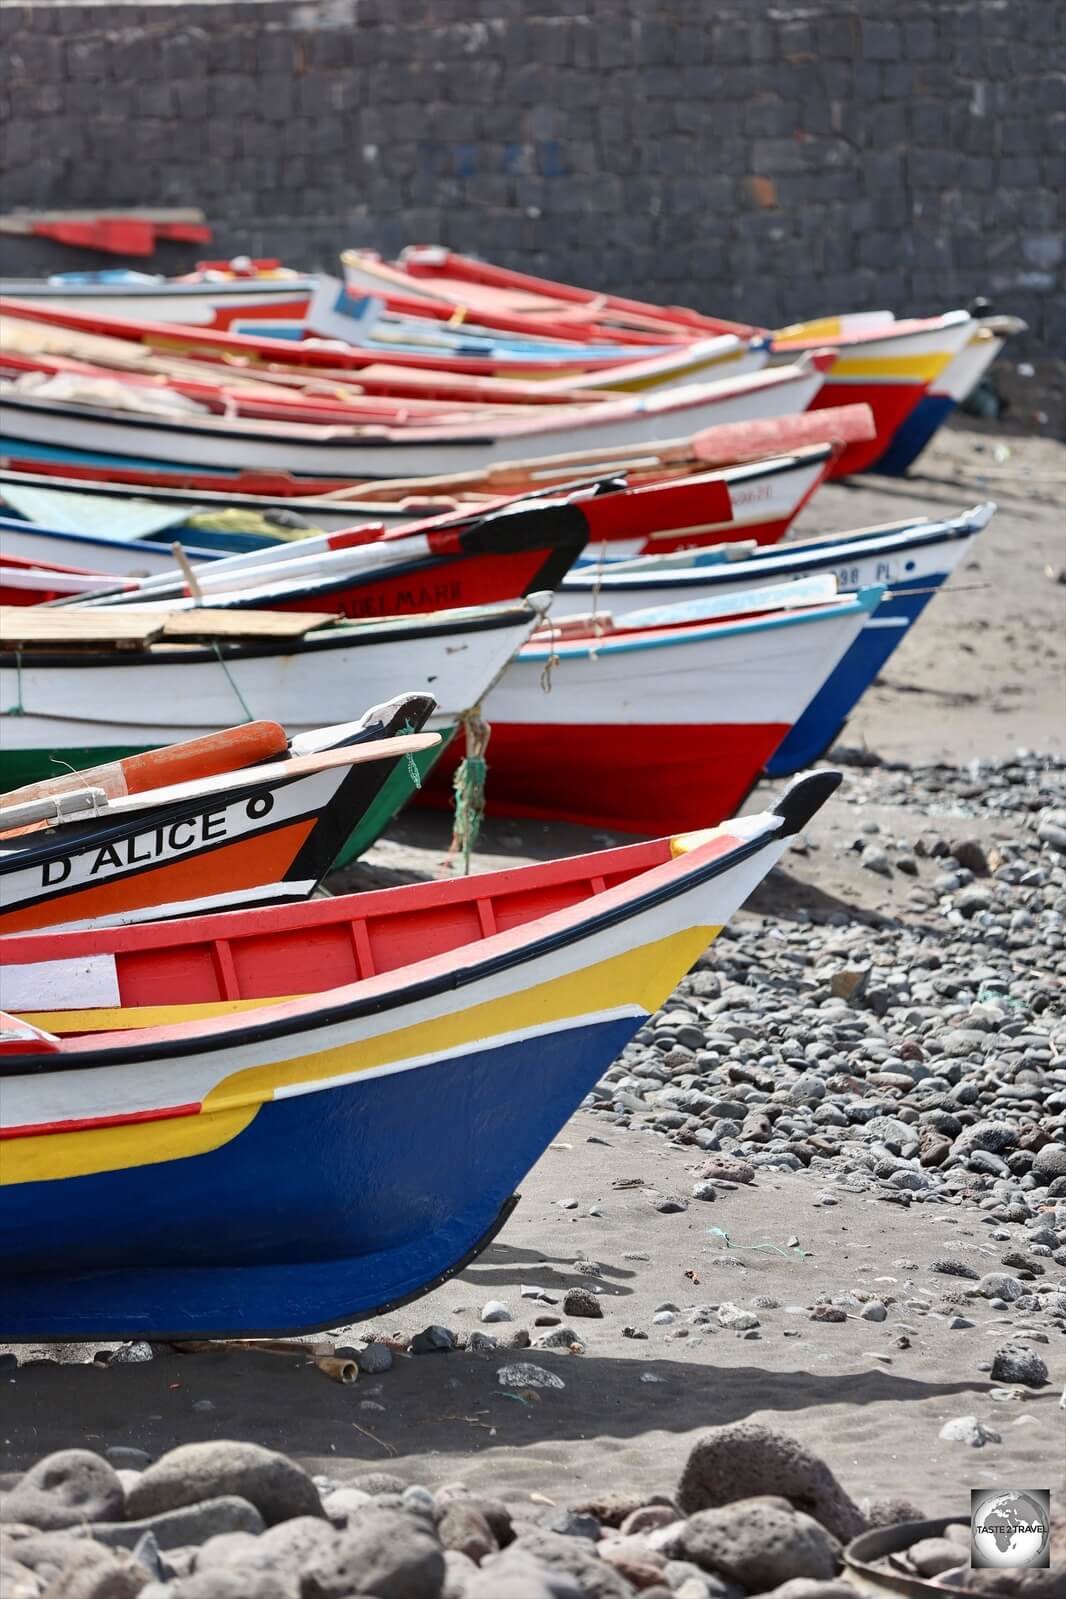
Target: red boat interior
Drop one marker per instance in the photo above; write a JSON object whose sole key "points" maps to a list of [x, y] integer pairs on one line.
{"points": [[259, 955]]}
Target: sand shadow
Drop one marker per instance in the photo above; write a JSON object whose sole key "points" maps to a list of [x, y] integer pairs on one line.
{"points": [[433, 1405], [554, 1273]]}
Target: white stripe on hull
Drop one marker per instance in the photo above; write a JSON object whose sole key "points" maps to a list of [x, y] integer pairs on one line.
{"points": [[625, 593], [750, 676]]}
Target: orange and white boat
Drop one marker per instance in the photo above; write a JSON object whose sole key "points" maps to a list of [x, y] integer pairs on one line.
{"points": [[237, 818]]}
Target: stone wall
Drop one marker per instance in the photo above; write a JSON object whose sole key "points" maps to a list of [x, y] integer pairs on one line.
{"points": [[765, 162]]}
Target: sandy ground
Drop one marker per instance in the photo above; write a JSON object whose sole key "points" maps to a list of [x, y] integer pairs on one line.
{"points": [[984, 673]]}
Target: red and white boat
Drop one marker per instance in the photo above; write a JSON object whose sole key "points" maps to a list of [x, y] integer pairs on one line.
{"points": [[889, 365], [656, 718], [28, 582], [469, 440]]}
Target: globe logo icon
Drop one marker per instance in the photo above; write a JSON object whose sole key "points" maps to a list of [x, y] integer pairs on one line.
{"points": [[1010, 1530]]}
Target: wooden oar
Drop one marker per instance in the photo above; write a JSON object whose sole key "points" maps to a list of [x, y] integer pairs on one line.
{"points": [[724, 445], [381, 749]]}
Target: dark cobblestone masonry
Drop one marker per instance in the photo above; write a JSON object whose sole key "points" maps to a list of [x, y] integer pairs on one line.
{"points": [[765, 162]]}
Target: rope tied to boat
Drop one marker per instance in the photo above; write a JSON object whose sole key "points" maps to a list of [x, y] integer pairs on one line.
{"points": [[18, 709], [248, 717], [414, 775], [468, 786], [544, 620]]}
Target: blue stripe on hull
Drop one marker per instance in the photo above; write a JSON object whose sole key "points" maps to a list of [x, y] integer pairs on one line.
{"points": [[326, 1208], [913, 434], [825, 716]]}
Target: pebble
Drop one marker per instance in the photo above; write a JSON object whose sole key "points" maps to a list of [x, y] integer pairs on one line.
{"points": [[968, 1430], [432, 1341], [374, 1359], [736, 1319], [495, 1310], [1017, 1365], [525, 1375], [582, 1302]]}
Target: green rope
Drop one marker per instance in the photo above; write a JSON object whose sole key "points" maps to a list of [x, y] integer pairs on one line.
{"points": [[18, 709], [468, 786], [248, 717], [413, 773], [792, 1253]]}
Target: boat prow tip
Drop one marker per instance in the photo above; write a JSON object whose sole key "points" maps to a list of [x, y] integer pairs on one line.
{"points": [[803, 799]]}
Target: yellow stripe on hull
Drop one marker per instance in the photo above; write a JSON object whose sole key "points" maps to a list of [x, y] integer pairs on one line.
{"points": [[642, 977], [65, 1022], [889, 368], [49, 1156]]}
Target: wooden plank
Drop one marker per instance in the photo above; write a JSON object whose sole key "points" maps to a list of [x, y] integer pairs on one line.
{"points": [[36, 626], [205, 622], [125, 626]]}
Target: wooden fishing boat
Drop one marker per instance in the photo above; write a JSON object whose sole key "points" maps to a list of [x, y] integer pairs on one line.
{"points": [[889, 368], [524, 544], [454, 561], [712, 699], [210, 298], [24, 582], [958, 379], [92, 431], [888, 365], [912, 559], [292, 1118], [193, 497], [81, 704], [259, 821], [336, 313], [116, 559]]}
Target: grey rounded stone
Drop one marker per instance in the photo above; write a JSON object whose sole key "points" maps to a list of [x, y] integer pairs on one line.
{"points": [[744, 1460], [575, 1557], [277, 1487], [384, 1553], [343, 1503], [1012, 1364], [189, 1524], [235, 1582], [582, 1302], [759, 1543], [374, 1359], [516, 1574], [65, 1489], [462, 1527], [1050, 1162], [91, 1572]]}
